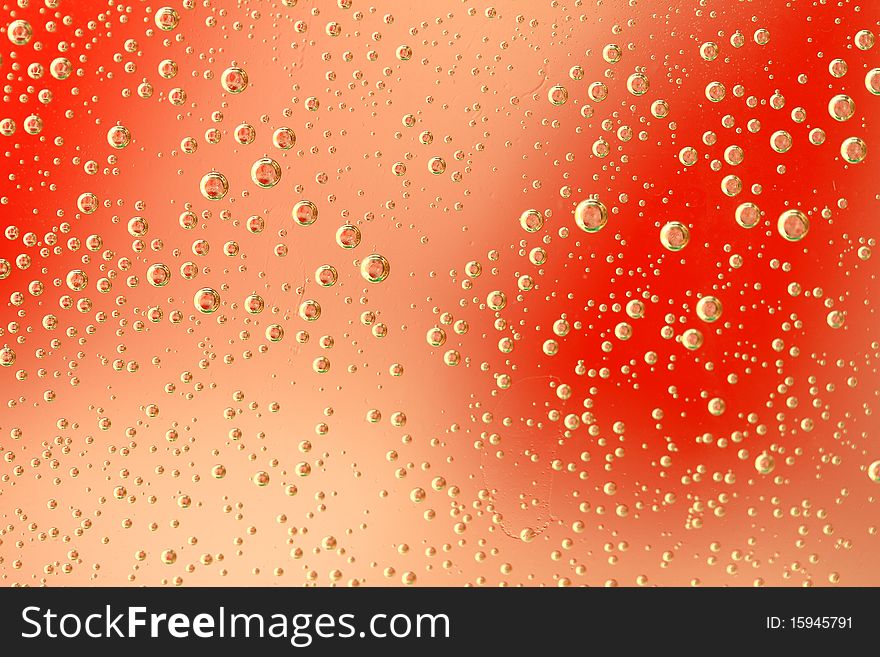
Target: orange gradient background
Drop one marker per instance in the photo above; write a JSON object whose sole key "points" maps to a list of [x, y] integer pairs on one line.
{"points": [[112, 424]]}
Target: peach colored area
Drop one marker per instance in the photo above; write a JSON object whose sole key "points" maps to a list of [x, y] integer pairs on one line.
{"points": [[496, 457]]}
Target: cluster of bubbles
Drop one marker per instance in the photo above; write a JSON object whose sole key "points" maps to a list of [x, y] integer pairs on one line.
{"points": [[604, 208]]}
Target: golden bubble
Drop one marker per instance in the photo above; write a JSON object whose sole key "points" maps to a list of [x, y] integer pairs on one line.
{"points": [[692, 339], [591, 215], [531, 221], [234, 80], [159, 275], [748, 215], [853, 150], [118, 136], [167, 18], [674, 236], [557, 95], [709, 309], [348, 236], [207, 300], [214, 186], [793, 225], [841, 107], [310, 310], [375, 268], [496, 300], [637, 84], [266, 172], [765, 463]]}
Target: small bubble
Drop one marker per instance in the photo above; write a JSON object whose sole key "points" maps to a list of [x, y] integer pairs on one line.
{"points": [[781, 141], [158, 275], [716, 406], [436, 165], [118, 136], [207, 300], [674, 236], [734, 155], [7, 357], [872, 81], [591, 215], [748, 215], [731, 185], [635, 309], [87, 203], [266, 172], [817, 136], [496, 300], [60, 68], [305, 213], [167, 19], [864, 39], [838, 68], [214, 186], [836, 319], [310, 310], [709, 309], [841, 107], [348, 236], [612, 53], [274, 333], [709, 51], [375, 268], [688, 156], [19, 32], [692, 339], [77, 280], [234, 80], [853, 150], [793, 225], [284, 139], [660, 109], [623, 331], [557, 95], [597, 91], [715, 92], [637, 84], [436, 337], [254, 304], [531, 221], [765, 463], [245, 134], [326, 276]]}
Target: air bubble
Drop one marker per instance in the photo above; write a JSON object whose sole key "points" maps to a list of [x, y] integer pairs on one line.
{"points": [[207, 300], [214, 186], [531, 221], [234, 80], [375, 268], [591, 215], [266, 172], [674, 236], [793, 225], [853, 150]]}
